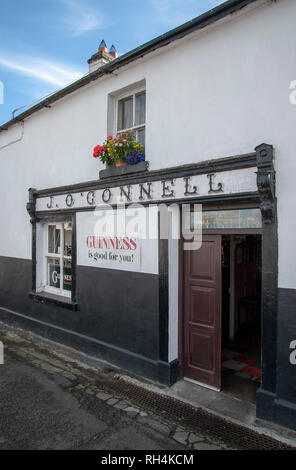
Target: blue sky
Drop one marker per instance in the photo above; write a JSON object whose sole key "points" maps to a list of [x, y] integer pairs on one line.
{"points": [[45, 44]]}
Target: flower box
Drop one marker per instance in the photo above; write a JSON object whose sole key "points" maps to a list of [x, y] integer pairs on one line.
{"points": [[120, 151]]}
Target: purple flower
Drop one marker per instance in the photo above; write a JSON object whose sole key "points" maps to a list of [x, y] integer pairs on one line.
{"points": [[133, 158]]}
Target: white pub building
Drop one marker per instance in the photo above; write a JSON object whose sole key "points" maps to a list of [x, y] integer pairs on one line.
{"points": [[213, 102]]}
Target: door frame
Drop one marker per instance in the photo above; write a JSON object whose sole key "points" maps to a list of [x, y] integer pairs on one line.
{"points": [[266, 200], [181, 295]]}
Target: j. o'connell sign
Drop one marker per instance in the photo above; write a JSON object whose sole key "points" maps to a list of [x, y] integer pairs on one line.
{"points": [[226, 182]]}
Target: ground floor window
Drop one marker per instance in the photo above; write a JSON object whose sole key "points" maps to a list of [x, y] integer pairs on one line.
{"points": [[54, 258]]}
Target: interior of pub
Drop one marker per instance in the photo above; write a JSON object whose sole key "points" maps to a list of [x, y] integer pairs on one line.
{"points": [[241, 315]]}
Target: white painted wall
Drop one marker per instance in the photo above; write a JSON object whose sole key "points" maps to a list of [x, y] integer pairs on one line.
{"points": [[173, 298], [217, 93]]}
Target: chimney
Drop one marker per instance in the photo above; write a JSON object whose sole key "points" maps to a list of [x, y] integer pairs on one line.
{"points": [[102, 57]]}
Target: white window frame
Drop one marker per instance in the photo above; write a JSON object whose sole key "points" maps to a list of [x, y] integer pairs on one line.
{"points": [[46, 255], [131, 94]]}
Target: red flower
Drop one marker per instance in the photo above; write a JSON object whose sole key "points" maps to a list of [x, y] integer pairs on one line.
{"points": [[97, 151], [110, 137]]}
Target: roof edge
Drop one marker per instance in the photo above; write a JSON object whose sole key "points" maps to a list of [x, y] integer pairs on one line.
{"points": [[211, 16]]}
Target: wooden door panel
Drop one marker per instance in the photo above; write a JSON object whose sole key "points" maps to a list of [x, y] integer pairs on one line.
{"points": [[202, 312], [199, 345], [202, 306], [202, 359], [201, 267]]}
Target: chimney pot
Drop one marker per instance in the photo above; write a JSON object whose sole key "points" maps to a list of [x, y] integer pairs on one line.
{"points": [[113, 52], [103, 47]]}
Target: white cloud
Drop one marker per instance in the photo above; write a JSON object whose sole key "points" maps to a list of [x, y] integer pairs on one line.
{"points": [[41, 70], [81, 18]]}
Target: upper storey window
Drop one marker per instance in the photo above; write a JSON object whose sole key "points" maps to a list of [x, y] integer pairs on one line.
{"points": [[131, 115]]}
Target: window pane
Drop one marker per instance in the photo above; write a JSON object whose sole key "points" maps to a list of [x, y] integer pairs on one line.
{"points": [[141, 136], [53, 272], [67, 282], [140, 109], [68, 239], [244, 218], [125, 113], [54, 239]]}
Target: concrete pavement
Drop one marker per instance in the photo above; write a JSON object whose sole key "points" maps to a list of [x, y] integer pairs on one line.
{"points": [[48, 402]]}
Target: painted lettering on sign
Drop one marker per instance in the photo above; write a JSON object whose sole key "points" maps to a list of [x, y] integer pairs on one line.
{"points": [[109, 243], [111, 251], [119, 245], [165, 190]]}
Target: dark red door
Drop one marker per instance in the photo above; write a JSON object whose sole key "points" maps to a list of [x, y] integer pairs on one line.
{"points": [[202, 313]]}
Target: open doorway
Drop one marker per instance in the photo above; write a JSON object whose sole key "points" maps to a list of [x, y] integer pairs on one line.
{"points": [[241, 315], [220, 337]]}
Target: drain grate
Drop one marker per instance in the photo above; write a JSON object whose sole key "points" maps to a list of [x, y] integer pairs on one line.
{"points": [[196, 419]]}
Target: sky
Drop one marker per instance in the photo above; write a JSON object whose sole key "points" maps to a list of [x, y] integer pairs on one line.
{"points": [[45, 44]]}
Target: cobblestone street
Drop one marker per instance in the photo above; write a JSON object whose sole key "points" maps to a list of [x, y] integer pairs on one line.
{"points": [[49, 402]]}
